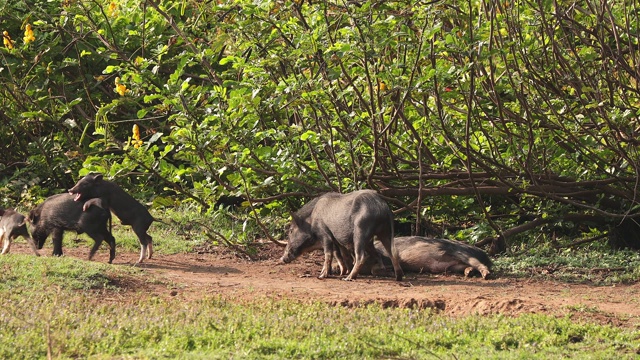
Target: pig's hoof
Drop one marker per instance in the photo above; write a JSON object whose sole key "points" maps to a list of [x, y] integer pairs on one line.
{"points": [[349, 278], [485, 274], [468, 271]]}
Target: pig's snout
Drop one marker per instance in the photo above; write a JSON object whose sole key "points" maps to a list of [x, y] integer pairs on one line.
{"points": [[287, 257]]}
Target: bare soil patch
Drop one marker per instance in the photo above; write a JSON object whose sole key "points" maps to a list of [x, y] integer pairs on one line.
{"points": [[219, 271]]}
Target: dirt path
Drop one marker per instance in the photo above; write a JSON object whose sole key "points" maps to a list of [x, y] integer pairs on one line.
{"points": [[195, 275]]}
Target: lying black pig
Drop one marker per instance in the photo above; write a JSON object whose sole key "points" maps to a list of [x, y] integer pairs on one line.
{"points": [[430, 255]]}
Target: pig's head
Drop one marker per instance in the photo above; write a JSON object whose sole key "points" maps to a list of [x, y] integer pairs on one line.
{"points": [[39, 241], [87, 188], [37, 235], [300, 240]]}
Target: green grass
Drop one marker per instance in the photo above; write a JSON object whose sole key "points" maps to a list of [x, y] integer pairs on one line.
{"points": [[27, 273], [87, 316], [598, 266]]}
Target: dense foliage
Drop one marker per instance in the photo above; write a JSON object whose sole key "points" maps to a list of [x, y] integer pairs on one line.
{"points": [[481, 118]]}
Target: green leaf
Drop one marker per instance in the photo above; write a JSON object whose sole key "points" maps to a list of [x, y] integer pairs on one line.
{"points": [[308, 135]]}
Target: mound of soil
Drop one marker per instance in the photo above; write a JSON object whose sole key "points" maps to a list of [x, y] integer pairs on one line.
{"points": [[220, 271]]}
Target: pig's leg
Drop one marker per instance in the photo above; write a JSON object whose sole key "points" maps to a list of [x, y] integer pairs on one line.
{"points": [[345, 261], [477, 265], [387, 242], [94, 248], [360, 249], [328, 257], [149, 246], [57, 234], [32, 244], [467, 271], [6, 241], [484, 271], [379, 268], [146, 243], [95, 201], [327, 246], [112, 247], [97, 241], [451, 267]]}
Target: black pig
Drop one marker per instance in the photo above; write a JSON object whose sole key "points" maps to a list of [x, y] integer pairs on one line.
{"points": [[12, 225], [345, 224], [431, 255], [123, 205], [60, 212]]}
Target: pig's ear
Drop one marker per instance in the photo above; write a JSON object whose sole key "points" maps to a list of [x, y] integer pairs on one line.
{"points": [[33, 217], [98, 177], [295, 219]]}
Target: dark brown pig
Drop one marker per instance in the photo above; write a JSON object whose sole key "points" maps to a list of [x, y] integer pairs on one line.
{"points": [[345, 224], [123, 205], [12, 225], [431, 255], [60, 212]]}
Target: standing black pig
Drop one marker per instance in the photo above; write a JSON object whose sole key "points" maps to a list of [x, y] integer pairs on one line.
{"points": [[60, 212], [12, 225], [423, 254], [346, 224], [123, 205]]}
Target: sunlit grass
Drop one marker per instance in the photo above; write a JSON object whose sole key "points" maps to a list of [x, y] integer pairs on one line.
{"points": [[600, 266], [264, 328], [89, 316], [26, 273]]}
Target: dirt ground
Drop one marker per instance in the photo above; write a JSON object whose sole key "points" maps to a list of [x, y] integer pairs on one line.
{"points": [[220, 271]]}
